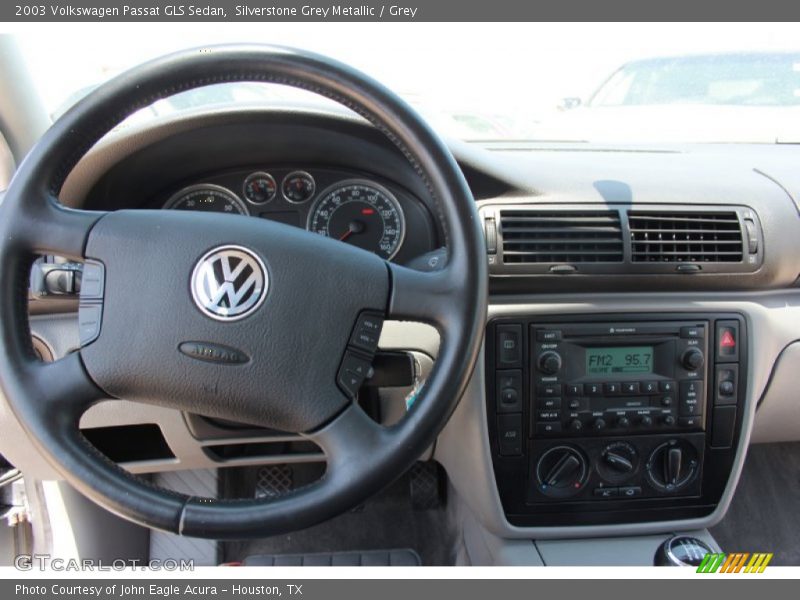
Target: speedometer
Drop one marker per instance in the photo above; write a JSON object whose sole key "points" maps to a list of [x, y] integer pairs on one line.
{"points": [[207, 197], [361, 213]]}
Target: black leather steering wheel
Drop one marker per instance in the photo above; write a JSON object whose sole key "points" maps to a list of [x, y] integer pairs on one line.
{"points": [[275, 362]]}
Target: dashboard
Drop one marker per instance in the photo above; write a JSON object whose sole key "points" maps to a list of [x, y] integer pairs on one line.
{"points": [[352, 207], [573, 435]]}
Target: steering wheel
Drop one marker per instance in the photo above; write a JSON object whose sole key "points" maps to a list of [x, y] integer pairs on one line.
{"points": [[235, 318]]}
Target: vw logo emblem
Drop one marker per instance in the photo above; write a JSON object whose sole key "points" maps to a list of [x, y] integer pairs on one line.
{"points": [[229, 283]]}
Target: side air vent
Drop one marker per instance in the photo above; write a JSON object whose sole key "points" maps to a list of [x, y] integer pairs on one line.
{"points": [[675, 237], [554, 237]]}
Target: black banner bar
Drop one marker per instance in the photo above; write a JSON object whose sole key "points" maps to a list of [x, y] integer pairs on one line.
{"points": [[255, 11]]}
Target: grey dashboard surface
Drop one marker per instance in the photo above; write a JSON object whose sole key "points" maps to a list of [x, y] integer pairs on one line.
{"points": [[115, 175]]}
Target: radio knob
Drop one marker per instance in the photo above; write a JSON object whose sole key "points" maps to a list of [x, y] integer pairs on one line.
{"points": [[598, 424], [669, 420], [575, 425], [692, 359], [623, 422], [646, 421], [550, 362]]}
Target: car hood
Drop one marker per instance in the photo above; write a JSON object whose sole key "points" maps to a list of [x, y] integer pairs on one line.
{"points": [[673, 123]]}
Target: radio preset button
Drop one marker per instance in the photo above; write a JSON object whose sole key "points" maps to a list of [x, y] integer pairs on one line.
{"points": [[630, 387], [593, 389], [666, 386], [612, 388], [650, 387], [574, 389]]}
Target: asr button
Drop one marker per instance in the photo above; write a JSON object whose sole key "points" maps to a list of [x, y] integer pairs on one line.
{"points": [[509, 434]]}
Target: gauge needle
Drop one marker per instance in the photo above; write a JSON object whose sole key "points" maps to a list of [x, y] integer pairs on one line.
{"points": [[353, 227]]}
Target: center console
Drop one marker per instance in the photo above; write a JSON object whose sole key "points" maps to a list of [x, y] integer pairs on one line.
{"points": [[600, 419]]}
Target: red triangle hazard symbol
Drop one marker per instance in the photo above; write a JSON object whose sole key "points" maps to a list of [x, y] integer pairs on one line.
{"points": [[727, 340]]}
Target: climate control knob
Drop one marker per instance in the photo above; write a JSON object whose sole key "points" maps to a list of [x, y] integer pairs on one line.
{"points": [[549, 362], [561, 472], [693, 359], [618, 462], [672, 465]]}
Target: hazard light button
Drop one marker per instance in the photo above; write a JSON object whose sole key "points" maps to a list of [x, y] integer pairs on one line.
{"points": [[727, 341]]}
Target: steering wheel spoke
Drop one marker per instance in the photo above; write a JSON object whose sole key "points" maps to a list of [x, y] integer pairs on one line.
{"points": [[48, 227], [420, 295], [349, 440], [64, 389]]}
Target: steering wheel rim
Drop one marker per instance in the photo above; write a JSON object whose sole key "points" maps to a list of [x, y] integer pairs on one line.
{"points": [[362, 456]]}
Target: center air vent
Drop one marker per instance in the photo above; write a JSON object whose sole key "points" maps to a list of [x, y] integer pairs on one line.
{"points": [[674, 237], [532, 236]]}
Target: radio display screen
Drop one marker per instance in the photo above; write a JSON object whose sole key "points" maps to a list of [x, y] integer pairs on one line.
{"points": [[619, 359]]}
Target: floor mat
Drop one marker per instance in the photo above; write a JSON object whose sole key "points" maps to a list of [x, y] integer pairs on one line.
{"points": [[765, 513], [384, 522]]}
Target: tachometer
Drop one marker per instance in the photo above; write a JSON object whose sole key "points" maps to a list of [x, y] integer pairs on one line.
{"points": [[361, 213], [207, 197]]}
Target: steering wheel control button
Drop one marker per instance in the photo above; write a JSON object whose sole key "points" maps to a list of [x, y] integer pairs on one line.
{"points": [[229, 283], [357, 362], [510, 434], [92, 280], [90, 307], [367, 332], [509, 346], [352, 373], [509, 391], [89, 316]]}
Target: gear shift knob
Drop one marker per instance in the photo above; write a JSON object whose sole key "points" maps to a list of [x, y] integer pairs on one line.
{"points": [[681, 551]]}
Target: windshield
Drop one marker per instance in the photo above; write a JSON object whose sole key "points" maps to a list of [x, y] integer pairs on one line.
{"points": [[604, 82], [755, 79]]}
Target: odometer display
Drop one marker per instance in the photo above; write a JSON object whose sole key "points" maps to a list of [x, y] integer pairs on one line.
{"points": [[207, 197], [361, 213]]}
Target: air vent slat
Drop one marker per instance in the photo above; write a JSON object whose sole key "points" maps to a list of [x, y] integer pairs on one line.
{"points": [[556, 237], [707, 237]]}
